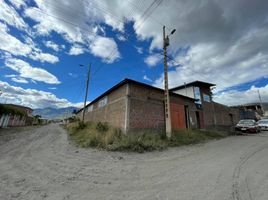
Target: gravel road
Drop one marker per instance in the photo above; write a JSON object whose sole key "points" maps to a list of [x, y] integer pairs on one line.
{"points": [[39, 163]]}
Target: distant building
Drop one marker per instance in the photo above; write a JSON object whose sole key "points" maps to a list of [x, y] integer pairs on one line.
{"points": [[131, 105], [250, 111]]}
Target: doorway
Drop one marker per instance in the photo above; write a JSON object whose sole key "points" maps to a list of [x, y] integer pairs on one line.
{"points": [[186, 112], [197, 119]]}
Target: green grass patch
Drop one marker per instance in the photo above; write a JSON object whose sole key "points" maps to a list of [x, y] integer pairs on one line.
{"points": [[102, 136]]}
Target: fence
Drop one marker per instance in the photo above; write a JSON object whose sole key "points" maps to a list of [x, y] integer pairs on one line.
{"points": [[8, 120]]}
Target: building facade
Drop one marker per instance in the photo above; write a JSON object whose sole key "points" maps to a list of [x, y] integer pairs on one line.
{"points": [[131, 106], [15, 115]]}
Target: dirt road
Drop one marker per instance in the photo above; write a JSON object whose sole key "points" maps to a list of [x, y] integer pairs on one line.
{"points": [[38, 163]]}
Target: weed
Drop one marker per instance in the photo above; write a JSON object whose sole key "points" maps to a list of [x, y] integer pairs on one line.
{"points": [[101, 135]]}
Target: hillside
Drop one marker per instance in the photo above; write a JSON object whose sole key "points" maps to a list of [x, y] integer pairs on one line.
{"points": [[54, 113]]}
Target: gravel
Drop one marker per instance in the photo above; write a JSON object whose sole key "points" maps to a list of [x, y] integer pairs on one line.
{"points": [[39, 163]]}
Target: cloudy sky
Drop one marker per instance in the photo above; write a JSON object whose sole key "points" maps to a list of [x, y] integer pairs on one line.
{"points": [[43, 43]]}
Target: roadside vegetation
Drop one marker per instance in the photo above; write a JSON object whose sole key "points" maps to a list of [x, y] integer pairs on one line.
{"points": [[102, 136]]}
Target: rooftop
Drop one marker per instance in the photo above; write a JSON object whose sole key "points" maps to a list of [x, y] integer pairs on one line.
{"points": [[125, 81], [194, 83]]}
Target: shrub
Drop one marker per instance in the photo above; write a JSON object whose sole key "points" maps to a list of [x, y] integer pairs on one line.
{"points": [[102, 126]]}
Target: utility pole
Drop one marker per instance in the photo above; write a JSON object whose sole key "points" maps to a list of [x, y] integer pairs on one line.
{"points": [[166, 91], [85, 102]]}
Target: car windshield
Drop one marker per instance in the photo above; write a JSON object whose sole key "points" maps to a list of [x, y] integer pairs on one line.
{"points": [[263, 122], [246, 122]]}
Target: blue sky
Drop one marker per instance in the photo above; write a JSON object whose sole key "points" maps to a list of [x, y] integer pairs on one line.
{"points": [[44, 42]]}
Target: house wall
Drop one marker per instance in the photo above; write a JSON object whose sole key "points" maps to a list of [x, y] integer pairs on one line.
{"points": [[113, 112], [188, 91], [219, 116], [147, 109], [192, 120]]}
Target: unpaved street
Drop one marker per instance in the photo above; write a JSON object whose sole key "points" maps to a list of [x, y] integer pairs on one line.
{"points": [[38, 163]]}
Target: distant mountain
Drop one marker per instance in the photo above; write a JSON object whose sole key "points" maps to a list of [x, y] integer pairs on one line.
{"points": [[54, 113]]}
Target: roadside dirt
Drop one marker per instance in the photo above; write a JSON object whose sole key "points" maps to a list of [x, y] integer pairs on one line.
{"points": [[39, 163]]}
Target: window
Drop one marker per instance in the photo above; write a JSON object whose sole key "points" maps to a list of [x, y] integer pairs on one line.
{"points": [[206, 97], [197, 95], [103, 102], [90, 108]]}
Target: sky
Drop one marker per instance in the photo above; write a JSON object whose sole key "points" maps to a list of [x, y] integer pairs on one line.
{"points": [[47, 46]]}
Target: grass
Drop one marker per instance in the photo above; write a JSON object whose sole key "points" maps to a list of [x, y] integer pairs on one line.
{"points": [[100, 135]]}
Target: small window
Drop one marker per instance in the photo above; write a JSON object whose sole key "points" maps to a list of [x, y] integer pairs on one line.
{"points": [[197, 95], [206, 97], [103, 102], [90, 108]]}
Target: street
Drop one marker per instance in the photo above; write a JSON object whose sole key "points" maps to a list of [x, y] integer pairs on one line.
{"points": [[39, 163]]}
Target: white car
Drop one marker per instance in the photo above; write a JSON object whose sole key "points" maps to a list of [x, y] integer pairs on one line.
{"points": [[263, 124]]}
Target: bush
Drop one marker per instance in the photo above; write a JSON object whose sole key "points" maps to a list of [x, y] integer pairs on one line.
{"points": [[101, 135], [102, 126]]}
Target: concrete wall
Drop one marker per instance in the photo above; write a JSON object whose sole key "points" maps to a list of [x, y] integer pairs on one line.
{"points": [[113, 112], [188, 91]]}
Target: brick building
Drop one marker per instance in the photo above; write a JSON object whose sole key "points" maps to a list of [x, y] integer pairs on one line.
{"points": [[213, 114], [131, 105]]}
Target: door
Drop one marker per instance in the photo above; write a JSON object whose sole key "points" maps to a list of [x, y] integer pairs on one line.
{"points": [[198, 120], [177, 112], [187, 121]]}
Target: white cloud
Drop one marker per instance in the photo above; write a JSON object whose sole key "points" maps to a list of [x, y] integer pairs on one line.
{"points": [[219, 43], [77, 28], [9, 15], [19, 80], [152, 60], [27, 71], [52, 45], [121, 37], [139, 49], [105, 48], [12, 44], [28, 49], [80, 104], [44, 57], [31, 97], [52, 88], [145, 77], [76, 50], [10, 75], [18, 3], [235, 97]]}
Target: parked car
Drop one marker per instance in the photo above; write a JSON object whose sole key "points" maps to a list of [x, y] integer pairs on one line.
{"points": [[247, 125], [263, 124]]}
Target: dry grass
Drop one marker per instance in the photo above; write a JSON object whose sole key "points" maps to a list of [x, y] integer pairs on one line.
{"points": [[100, 135]]}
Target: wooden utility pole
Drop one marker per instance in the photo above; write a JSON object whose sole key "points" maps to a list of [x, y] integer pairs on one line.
{"points": [[166, 93], [85, 102]]}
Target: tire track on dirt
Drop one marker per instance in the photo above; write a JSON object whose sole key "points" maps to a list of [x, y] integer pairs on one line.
{"points": [[236, 175]]}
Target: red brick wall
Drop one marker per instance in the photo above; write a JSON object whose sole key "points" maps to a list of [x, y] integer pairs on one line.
{"points": [[147, 108], [113, 112]]}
